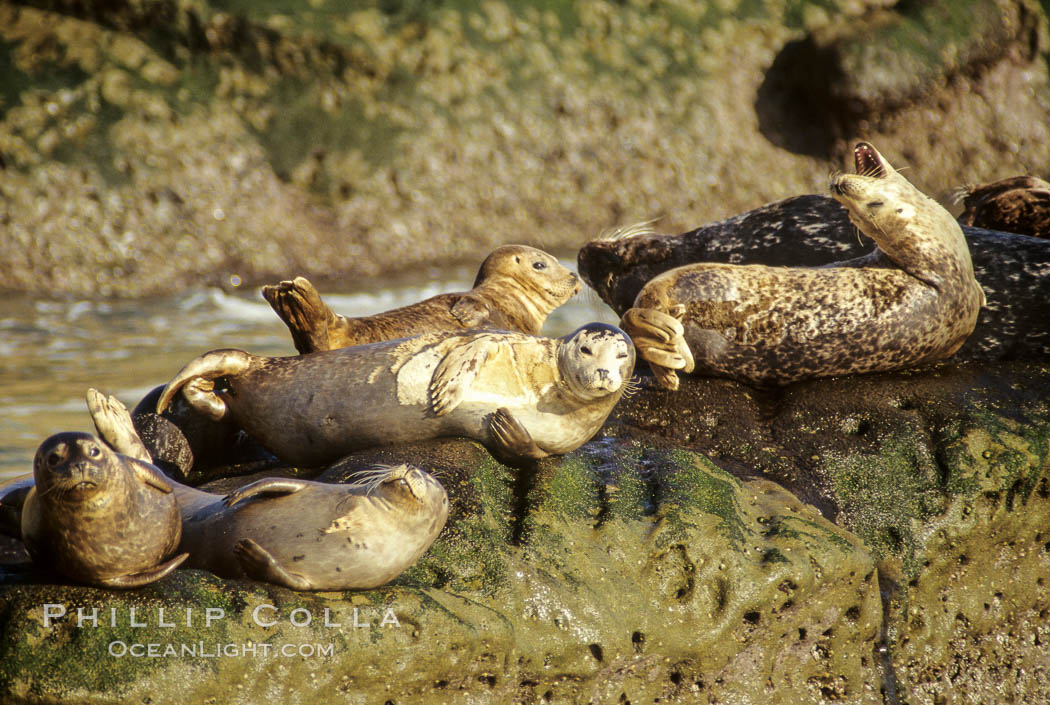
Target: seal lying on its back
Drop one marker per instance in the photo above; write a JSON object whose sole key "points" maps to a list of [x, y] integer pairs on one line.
{"points": [[516, 289], [776, 325], [299, 534], [99, 517], [522, 396]]}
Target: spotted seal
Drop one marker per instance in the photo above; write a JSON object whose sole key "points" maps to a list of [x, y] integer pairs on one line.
{"points": [[99, 517], [522, 396], [516, 288], [776, 325], [813, 231], [299, 534]]}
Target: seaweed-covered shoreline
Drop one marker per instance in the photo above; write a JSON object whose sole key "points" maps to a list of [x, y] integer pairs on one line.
{"points": [[158, 145]]}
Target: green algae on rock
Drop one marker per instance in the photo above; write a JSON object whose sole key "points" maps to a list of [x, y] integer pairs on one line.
{"points": [[724, 612]]}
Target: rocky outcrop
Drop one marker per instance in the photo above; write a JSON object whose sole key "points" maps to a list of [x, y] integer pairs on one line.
{"points": [[880, 539]]}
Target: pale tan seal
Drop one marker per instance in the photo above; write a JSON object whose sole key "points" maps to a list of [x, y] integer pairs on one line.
{"points": [[523, 396], [775, 325], [99, 517], [516, 289], [300, 534]]}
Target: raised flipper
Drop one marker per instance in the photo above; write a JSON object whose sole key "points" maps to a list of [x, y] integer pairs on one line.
{"points": [[470, 311], [660, 339], [307, 316], [114, 426], [198, 376], [145, 577], [456, 372], [257, 563], [270, 487], [511, 439]]}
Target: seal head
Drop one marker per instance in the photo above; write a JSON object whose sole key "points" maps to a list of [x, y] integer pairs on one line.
{"points": [[99, 517], [596, 360]]}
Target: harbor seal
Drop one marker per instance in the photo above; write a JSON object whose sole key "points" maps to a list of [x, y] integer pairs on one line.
{"points": [[296, 533], [523, 396], [99, 517], [915, 302], [516, 288], [814, 230], [1020, 204]]}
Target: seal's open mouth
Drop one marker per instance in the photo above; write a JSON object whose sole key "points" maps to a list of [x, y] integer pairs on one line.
{"points": [[867, 161]]}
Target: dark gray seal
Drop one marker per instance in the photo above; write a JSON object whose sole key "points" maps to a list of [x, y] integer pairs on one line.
{"points": [[814, 231]]}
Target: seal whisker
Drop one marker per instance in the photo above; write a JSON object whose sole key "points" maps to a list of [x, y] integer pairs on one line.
{"points": [[622, 233], [633, 386]]}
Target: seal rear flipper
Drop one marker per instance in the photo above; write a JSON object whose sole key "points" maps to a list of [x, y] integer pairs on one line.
{"points": [[258, 564], [511, 439], [470, 311], [198, 378], [307, 316], [114, 425], [457, 371], [270, 487], [145, 577]]}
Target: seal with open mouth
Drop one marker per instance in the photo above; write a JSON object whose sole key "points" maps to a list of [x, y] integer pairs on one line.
{"points": [[916, 302]]}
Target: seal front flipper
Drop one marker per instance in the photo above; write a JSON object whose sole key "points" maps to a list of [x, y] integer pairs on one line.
{"points": [[660, 339], [307, 316], [257, 563], [457, 371], [145, 577], [470, 311], [270, 487], [512, 440]]}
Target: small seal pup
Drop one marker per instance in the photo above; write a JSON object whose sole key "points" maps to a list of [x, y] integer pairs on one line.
{"points": [[299, 534], [99, 517], [522, 396], [776, 325], [516, 289]]}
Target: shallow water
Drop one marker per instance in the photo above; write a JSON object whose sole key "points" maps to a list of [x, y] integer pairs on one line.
{"points": [[52, 351]]}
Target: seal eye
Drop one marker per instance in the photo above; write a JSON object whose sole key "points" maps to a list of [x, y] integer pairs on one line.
{"points": [[539, 265], [586, 350], [54, 459], [94, 452], [621, 356], [875, 204]]}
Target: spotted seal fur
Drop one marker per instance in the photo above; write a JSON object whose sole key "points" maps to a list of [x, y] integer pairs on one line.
{"points": [[776, 325]]}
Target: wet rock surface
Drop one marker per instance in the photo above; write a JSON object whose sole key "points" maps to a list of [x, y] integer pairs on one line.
{"points": [[872, 539]]}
